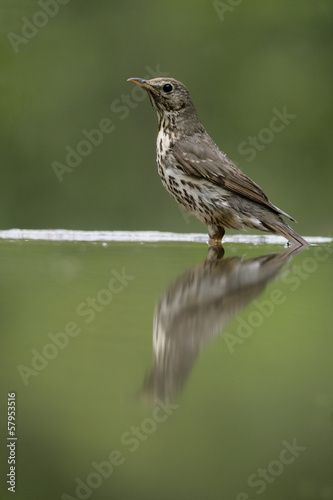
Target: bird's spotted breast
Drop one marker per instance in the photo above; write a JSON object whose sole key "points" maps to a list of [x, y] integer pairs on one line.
{"points": [[163, 143]]}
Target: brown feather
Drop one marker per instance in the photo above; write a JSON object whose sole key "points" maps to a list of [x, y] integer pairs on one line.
{"points": [[202, 158]]}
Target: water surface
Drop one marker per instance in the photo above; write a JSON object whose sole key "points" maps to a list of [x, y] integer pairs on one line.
{"points": [[167, 370]]}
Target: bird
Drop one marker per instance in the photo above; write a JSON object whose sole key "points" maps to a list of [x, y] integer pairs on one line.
{"points": [[200, 176]]}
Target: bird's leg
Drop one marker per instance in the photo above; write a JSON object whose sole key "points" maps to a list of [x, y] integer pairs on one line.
{"points": [[216, 234]]}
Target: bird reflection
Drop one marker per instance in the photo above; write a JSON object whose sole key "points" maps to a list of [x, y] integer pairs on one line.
{"points": [[197, 306]]}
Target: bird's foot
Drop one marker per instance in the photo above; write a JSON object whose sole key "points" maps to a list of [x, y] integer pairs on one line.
{"points": [[215, 242]]}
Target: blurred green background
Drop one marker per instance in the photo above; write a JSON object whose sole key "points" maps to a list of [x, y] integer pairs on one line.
{"points": [[240, 63]]}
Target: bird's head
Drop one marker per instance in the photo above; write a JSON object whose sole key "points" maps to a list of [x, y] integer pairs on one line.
{"points": [[166, 94], [170, 98]]}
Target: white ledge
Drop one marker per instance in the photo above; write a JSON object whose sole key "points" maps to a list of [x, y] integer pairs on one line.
{"points": [[142, 236]]}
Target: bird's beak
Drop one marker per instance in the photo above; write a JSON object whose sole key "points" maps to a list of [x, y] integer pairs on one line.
{"points": [[144, 84]]}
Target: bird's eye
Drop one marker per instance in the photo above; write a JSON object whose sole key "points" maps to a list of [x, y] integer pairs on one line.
{"points": [[167, 88]]}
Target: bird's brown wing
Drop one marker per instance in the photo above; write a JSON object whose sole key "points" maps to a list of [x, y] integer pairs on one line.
{"points": [[199, 156]]}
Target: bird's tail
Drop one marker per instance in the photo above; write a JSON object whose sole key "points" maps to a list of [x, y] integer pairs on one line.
{"points": [[282, 228]]}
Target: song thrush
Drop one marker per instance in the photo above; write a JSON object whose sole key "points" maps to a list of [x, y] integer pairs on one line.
{"points": [[199, 176]]}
